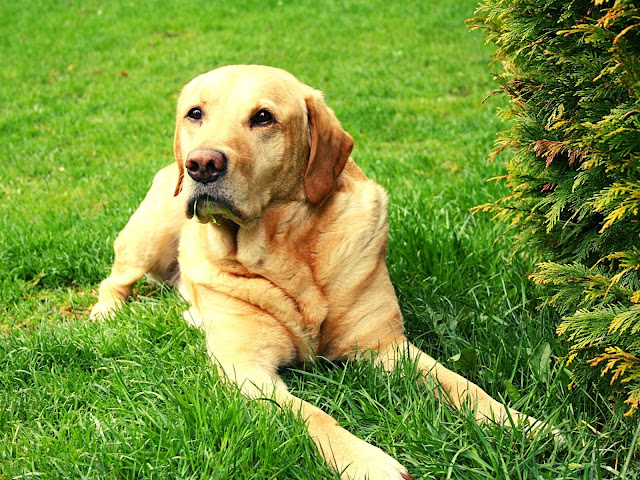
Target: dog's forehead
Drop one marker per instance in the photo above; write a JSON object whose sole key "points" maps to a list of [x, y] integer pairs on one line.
{"points": [[245, 85]]}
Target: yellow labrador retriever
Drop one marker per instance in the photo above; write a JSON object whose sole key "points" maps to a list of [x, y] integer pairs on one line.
{"points": [[278, 241]]}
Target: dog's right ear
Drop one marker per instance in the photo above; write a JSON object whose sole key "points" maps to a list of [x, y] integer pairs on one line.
{"points": [[177, 152]]}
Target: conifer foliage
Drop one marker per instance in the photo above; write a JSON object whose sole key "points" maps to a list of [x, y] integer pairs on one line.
{"points": [[571, 70]]}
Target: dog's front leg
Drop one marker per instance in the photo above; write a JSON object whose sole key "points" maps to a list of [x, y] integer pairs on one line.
{"points": [[148, 244], [351, 457], [248, 347], [458, 391]]}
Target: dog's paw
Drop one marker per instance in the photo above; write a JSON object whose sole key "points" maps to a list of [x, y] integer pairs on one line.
{"points": [[373, 464], [102, 311], [193, 318], [538, 427], [533, 426]]}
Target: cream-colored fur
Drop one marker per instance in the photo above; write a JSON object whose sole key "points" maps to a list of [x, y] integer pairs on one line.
{"points": [[284, 257]]}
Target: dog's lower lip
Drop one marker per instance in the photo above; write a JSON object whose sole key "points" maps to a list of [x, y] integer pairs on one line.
{"points": [[210, 209], [199, 202]]}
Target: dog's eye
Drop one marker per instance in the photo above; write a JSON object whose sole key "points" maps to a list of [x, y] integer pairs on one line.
{"points": [[195, 114], [262, 118]]}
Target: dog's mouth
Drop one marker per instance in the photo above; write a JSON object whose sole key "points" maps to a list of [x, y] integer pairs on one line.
{"points": [[212, 209]]}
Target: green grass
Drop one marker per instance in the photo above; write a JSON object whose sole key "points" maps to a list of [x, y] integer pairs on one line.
{"points": [[87, 94]]}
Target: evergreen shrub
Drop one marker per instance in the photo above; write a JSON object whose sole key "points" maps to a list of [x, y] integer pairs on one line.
{"points": [[571, 70]]}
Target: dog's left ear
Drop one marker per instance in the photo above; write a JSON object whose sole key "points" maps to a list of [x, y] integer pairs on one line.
{"points": [[330, 150], [177, 152]]}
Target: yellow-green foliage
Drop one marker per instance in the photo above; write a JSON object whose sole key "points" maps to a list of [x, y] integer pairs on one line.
{"points": [[572, 72]]}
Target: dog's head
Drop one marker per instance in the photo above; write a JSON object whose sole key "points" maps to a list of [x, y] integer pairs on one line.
{"points": [[249, 136]]}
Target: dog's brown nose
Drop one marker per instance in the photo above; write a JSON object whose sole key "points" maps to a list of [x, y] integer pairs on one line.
{"points": [[205, 165]]}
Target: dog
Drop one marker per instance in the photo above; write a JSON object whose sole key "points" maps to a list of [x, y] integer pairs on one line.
{"points": [[278, 241]]}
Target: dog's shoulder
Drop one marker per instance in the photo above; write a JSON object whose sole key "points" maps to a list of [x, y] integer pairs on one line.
{"points": [[353, 226], [358, 203]]}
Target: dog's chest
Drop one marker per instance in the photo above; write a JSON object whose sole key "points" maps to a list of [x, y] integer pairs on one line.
{"points": [[284, 257], [259, 266]]}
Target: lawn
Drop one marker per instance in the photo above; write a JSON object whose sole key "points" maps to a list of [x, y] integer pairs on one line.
{"points": [[87, 98]]}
